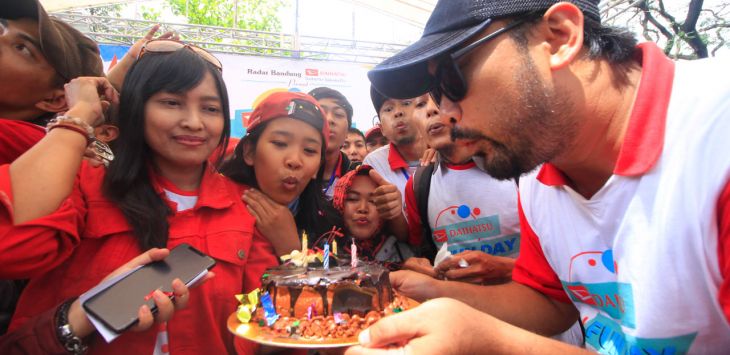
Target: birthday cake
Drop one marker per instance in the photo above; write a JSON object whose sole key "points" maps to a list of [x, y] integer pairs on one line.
{"points": [[314, 302]]}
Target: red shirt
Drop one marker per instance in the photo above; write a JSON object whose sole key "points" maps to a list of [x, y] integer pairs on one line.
{"points": [[16, 137], [72, 249]]}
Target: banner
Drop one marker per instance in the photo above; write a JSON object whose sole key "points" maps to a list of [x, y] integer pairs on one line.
{"points": [[249, 79]]}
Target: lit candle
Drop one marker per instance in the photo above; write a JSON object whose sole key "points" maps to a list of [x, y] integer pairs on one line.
{"points": [[326, 256], [334, 248], [353, 255]]}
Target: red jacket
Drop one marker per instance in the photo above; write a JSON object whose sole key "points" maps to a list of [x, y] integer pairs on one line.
{"points": [[16, 137], [71, 250]]}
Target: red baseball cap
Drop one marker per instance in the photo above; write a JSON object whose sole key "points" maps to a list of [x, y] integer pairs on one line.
{"points": [[295, 105], [373, 131]]}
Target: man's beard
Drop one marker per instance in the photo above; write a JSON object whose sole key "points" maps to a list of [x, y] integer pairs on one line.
{"points": [[406, 140], [544, 128]]}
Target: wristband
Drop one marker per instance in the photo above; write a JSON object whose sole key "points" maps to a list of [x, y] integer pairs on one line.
{"points": [[74, 124], [72, 343]]}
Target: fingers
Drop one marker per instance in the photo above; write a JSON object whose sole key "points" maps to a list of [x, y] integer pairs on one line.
{"points": [[357, 350], [377, 178], [165, 307], [429, 156], [387, 200], [395, 329], [262, 201], [145, 319], [256, 204], [181, 292], [151, 33]]}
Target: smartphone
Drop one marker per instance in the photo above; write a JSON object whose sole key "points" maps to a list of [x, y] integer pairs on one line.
{"points": [[117, 305]]}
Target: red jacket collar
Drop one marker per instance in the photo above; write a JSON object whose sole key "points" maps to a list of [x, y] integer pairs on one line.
{"points": [[212, 193], [396, 160], [644, 139]]}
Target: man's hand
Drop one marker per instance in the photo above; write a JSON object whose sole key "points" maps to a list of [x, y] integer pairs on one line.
{"points": [[274, 221], [476, 267], [447, 326], [428, 157], [387, 198], [415, 285], [420, 265]]}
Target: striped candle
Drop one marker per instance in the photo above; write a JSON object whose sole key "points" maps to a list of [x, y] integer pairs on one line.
{"points": [[353, 255], [326, 257]]}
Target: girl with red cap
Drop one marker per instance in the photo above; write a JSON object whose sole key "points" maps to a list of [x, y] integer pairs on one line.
{"points": [[282, 158]]}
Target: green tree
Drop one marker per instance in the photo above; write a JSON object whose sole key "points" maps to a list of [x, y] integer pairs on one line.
{"points": [[258, 15]]}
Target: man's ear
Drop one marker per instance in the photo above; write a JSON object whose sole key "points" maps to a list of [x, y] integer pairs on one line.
{"points": [[563, 31], [248, 153], [54, 102], [106, 133]]}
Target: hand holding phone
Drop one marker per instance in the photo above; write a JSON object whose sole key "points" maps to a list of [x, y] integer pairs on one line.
{"points": [[147, 290]]}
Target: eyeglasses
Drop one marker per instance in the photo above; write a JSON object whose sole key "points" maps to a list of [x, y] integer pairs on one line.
{"points": [[449, 81], [169, 45]]}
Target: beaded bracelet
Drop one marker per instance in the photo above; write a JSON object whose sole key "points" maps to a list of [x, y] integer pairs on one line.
{"points": [[75, 124], [72, 343]]}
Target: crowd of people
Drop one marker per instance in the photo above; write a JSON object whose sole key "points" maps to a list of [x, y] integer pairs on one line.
{"points": [[538, 181]]}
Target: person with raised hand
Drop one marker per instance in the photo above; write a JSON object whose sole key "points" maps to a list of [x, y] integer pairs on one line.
{"points": [[366, 201], [282, 156], [66, 225]]}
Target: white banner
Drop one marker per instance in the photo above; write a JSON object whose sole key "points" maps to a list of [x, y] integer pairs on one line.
{"points": [[249, 79]]}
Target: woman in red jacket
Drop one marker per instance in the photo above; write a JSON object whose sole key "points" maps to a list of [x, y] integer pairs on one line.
{"points": [[66, 225]]}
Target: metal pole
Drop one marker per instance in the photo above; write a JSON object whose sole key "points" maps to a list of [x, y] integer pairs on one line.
{"points": [[235, 14], [296, 53]]}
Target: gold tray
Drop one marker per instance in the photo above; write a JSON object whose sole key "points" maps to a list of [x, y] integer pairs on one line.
{"points": [[253, 332]]}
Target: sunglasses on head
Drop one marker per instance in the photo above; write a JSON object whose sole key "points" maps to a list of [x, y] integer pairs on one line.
{"points": [[449, 81], [169, 46]]}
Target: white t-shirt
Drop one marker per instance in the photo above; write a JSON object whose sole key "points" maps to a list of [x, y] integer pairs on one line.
{"points": [[639, 259], [468, 209]]}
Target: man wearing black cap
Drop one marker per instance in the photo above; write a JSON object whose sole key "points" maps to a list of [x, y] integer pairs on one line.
{"points": [[338, 112], [38, 55], [626, 222]]}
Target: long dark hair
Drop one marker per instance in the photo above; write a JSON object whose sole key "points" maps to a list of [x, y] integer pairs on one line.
{"points": [[315, 214], [127, 181]]}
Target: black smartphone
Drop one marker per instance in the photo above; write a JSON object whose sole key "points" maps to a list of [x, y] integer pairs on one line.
{"points": [[117, 305]]}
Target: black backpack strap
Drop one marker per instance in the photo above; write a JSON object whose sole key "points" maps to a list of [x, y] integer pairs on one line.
{"points": [[421, 189]]}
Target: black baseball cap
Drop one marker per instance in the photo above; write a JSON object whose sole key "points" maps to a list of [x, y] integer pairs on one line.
{"points": [[405, 75], [68, 51], [327, 93]]}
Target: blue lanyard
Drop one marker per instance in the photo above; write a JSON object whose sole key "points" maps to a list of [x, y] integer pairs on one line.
{"points": [[405, 173], [332, 177]]}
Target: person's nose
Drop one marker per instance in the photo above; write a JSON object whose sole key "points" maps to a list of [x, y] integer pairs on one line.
{"points": [[450, 109], [293, 160], [362, 207], [193, 120]]}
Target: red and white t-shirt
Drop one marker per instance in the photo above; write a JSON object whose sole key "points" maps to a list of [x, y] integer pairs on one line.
{"points": [[388, 162], [468, 209], [645, 260]]}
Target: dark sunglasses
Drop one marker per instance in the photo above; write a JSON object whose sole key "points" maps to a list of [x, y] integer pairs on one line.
{"points": [[169, 45], [449, 81]]}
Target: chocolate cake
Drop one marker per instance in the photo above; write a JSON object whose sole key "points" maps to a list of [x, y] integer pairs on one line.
{"points": [[312, 302]]}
